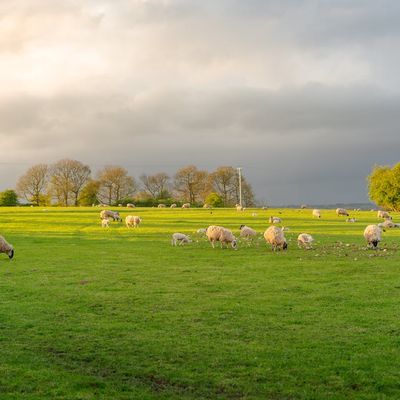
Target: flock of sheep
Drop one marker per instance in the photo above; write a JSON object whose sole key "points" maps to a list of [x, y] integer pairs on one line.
{"points": [[274, 235]]}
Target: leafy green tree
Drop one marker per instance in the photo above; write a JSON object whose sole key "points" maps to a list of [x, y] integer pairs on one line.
{"points": [[384, 186], [215, 200], [8, 198], [89, 193]]}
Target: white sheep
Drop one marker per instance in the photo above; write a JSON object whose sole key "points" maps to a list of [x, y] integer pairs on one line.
{"points": [[173, 205], [239, 207], [161, 206], [384, 214], [274, 220], [130, 205], [316, 213], [180, 239], [275, 237], [341, 211], [220, 234], [372, 235], [133, 220], [6, 247], [305, 240], [351, 220], [388, 224], [207, 205], [247, 232], [105, 223], [108, 214], [201, 231], [186, 205]]}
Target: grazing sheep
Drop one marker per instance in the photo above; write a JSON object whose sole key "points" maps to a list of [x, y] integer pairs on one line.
{"points": [[372, 234], [220, 234], [275, 237], [180, 239], [341, 211], [305, 240], [207, 206], [108, 214], [161, 206], [388, 224], [201, 231], [105, 223], [186, 205], [384, 215], [130, 205], [172, 205], [351, 220], [274, 220], [316, 213], [239, 207], [6, 247], [247, 232], [133, 220]]}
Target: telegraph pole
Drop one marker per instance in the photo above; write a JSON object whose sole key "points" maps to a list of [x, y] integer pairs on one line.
{"points": [[240, 185]]}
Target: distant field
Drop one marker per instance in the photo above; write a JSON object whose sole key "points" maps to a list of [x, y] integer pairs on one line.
{"points": [[95, 313]]}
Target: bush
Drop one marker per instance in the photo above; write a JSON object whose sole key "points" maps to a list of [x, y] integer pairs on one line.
{"points": [[8, 198]]}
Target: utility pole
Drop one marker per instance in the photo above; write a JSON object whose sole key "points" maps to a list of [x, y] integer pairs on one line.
{"points": [[240, 185]]}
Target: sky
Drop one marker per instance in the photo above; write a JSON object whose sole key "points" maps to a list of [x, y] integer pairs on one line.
{"points": [[304, 95]]}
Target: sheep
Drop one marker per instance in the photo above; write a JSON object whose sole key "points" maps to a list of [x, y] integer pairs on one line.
{"points": [[220, 234], [274, 220], [207, 205], [186, 205], [384, 214], [305, 240], [316, 213], [341, 211], [161, 206], [351, 220], [180, 239], [239, 207], [201, 231], [388, 224], [130, 205], [372, 235], [108, 214], [105, 223], [247, 232], [275, 237], [303, 206], [6, 248], [173, 205], [133, 220]]}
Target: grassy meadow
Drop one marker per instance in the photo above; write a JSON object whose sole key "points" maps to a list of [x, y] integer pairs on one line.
{"points": [[109, 313]]}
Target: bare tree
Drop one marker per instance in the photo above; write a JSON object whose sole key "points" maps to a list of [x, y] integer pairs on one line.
{"points": [[33, 183], [190, 183], [68, 177], [223, 181], [115, 184], [156, 185]]}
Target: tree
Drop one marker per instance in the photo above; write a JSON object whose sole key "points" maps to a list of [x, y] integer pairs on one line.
{"points": [[247, 193], [67, 180], [8, 198], [89, 193], [190, 183], [214, 199], [156, 185], [33, 183], [222, 181], [115, 184], [384, 186]]}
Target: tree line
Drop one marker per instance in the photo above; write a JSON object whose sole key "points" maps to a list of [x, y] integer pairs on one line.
{"points": [[71, 183]]}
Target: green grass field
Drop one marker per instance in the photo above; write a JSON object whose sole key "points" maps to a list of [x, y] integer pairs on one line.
{"points": [[95, 313]]}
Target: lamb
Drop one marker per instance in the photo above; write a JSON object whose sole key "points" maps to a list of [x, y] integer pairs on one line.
{"points": [[372, 234], [207, 205], [316, 213], [133, 220], [239, 207], [384, 215], [342, 211], [180, 239], [173, 205], [220, 234], [275, 237], [105, 223], [351, 220], [305, 240], [388, 224], [247, 232], [186, 205], [161, 206], [275, 220], [6, 248], [108, 214], [201, 231], [130, 205]]}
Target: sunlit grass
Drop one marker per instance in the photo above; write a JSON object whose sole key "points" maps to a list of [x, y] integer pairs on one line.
{"points": [[93, 313]]}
